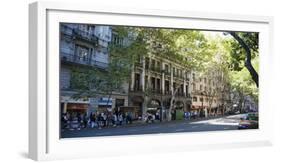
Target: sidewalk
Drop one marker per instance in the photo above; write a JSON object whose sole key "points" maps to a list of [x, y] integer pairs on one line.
{"points": [[141, 123]]}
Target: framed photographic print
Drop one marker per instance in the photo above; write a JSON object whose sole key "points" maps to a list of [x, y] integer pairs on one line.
{"points": [[104, 80]]}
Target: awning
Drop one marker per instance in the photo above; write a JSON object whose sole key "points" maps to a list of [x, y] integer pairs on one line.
{"points": [[75, 101]]}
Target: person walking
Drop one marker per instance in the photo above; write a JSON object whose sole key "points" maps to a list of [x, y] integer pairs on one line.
{"points": [[93, 120], [114, 120], [120, 119], [85, 121]]}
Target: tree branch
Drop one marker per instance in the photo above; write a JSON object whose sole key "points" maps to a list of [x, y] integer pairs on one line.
{"points": [[248, 63]]}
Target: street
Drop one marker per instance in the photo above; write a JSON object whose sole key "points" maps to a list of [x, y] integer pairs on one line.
{"points": [[211, 124]]}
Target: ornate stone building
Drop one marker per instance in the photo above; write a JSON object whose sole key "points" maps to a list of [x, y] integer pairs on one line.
{"points": [[210, 93], [84, 46], [153, 79], [153, 82]]}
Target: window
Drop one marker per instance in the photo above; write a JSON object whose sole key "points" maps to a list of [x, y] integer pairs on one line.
{"points": [[158, 65], [201, 99], [201, 87], [137, 82], [166, 68], [194, 86], [194, 99], [180, 74], [82, 53], [153, 83], [158, 85], [146, 63], [167, 85], [84, 27], [153, 64]]}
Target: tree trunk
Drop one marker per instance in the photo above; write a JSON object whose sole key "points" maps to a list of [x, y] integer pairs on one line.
{"points": [[169, 116], [248, 63]]}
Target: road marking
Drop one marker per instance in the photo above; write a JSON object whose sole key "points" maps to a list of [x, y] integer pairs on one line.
{"points": [[178, 130], [103, 133], [133, 130]]}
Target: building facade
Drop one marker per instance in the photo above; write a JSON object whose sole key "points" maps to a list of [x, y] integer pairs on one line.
{"points": [[84, 46], [153, 82], [210, 93]]}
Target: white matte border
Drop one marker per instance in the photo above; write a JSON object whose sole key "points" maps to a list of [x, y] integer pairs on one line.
{"points": [[51, 147]]}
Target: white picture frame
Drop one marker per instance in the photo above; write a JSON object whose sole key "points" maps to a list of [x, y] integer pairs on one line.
{"points": [[44, 141]]}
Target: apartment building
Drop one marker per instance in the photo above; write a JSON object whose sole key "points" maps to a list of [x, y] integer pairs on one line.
{"points": [[210, 92], [153, 82], [154, 78], [86, 46]]}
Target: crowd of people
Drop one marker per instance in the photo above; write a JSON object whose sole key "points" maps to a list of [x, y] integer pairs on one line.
{"points": [[95, 120], [76, 120]]}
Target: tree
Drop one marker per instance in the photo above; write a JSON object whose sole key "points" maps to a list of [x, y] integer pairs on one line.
{"points": [[243, 86], [249, 42], [92, 81]]}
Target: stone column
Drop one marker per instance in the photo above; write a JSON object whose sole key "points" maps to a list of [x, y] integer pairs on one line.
{"points": [[132, 79], [65, 107], [172, 79], [162, 77], [143, 88], [143, 74], [184, 84]]}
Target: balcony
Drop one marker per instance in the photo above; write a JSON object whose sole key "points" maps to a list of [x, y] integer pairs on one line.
{"points": [[167, 92], [156, 69], [65, 29], [70, 58], [138, 64], [180, 94], [137, 89], [156, 91], [178, 76], [85, 36], [167, 73]]}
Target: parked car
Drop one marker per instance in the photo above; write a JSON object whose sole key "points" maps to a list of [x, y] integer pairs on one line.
{"points": [[250, 121]]}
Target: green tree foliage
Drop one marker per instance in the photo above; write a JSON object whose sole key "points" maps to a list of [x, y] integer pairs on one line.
{"points": [[192, 48], [238, 55], [247, 47]]}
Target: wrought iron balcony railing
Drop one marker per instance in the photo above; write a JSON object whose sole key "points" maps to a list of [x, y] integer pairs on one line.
{"points": [[66, 57], [78, 33], [85, 36]]}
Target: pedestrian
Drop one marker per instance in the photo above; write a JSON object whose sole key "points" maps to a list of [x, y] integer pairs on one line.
{"points": [[100, 120], [85, 120], [120, 119], [114, 120], [104, 119], [93, 120], [79, 120], [64, 120]]}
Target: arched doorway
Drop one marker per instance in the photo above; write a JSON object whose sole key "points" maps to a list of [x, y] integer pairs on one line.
{"points": [[154, 108], [137, 102]]}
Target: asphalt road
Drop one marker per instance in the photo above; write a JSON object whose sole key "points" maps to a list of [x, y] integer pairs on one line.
{"points": [[213, 124]]}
